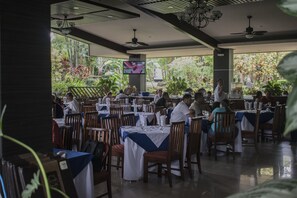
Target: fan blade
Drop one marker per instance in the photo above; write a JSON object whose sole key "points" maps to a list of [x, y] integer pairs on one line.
{"points": [[259, 32], [67, 19], [143, 44], [238, 33], [75, 18]]}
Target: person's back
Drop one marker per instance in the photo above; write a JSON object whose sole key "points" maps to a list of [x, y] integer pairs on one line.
{"points": [[120, 95]]}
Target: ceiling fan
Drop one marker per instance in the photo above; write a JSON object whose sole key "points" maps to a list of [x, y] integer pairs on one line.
{"points": [[65, 23], [249, 31], [134, 42]]}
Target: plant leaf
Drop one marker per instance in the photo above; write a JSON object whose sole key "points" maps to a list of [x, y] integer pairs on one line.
{"points": [[1, 119], [31, 187]]}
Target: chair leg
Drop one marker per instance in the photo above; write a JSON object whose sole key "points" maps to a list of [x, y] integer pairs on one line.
{"points": [[198, 162], [159, 170], [118, 162], [109, 187], [215, 150], [122, 166], [169, 173], [189, 165], [181, 168], [233, 150], [145, 170]]}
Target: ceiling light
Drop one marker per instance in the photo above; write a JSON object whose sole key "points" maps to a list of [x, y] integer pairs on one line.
{"points": [[65, 26], [170, 7], [249, 36], [198, 13]]}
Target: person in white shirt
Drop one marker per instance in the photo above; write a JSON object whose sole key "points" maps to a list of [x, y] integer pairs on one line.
{"points": [[120, 95], [108, 95], [219, 94], [158, 95], [72, 103], [181, 111]]}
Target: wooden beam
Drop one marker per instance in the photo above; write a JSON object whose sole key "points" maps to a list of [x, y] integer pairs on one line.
{"points": [[97, 40], [184, 27]]}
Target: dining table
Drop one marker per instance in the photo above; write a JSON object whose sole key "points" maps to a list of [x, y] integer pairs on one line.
{"points": [[138, 140]]}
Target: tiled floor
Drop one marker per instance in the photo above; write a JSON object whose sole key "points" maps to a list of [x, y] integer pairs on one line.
{"points": [[219, 178]]}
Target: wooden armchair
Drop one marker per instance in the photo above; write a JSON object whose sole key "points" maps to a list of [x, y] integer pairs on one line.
{"points": [[252, 135], [116, 111], [113, 123], [104, 175], [174, 152], [75, 121], [224, 131], [193, 147]]}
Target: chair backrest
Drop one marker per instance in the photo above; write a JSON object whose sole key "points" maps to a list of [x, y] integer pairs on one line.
{"points": [[194, 136], [88, 108], [112, 123], [56, 138], [100, 146], [128, 119], [75, 121], [282, 118], [66, 136], [176, 139], [91, 120], [224, 124], [276, 119], [116, 111]]}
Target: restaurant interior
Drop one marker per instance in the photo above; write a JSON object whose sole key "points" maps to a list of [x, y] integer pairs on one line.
{"points": [[135, 30]]}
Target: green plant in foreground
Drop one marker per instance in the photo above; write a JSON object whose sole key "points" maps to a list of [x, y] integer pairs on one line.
{"points": [[30, 188]]}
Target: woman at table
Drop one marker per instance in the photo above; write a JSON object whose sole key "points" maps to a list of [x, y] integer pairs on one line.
{"points": [[164, 101], [223, 108], [199, 104]]}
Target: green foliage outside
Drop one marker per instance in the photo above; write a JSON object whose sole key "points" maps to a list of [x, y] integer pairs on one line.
{"points": [[72, 66]]}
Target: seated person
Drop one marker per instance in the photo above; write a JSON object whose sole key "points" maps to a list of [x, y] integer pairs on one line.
{"points": [[202, 90], [259, 96], [189, 91], [225, 108], [181, 111], [72, 104], [158, 95], [267, 99], [108, 95], [163, 101], [199, 105], [128, 90], [57, 108], [208, 96], [120, 95]]}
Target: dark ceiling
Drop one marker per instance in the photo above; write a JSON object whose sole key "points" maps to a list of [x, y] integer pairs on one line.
{"points": [[107, 25]]}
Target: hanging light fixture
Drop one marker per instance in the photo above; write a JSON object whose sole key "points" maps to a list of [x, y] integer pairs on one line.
{"points": [[65, 26], [198, 13]]}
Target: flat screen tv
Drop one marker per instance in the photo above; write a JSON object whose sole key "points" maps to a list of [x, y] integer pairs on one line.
{"points": [[134, 67]]}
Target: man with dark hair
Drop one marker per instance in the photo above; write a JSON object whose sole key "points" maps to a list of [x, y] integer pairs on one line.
{"points": [[120, 95], [181, 111]]}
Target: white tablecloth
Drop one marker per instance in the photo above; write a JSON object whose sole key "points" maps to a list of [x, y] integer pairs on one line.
{"points": [[84, 182]]}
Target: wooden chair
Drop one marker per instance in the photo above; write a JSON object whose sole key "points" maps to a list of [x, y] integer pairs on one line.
{"points": [[174, 152], [91, 120], [193, 147], [75, 121], [66, 133], [116, 111], [128, 120], [275, 127], [104, 175], [224, 131], [113, 123], [252, 135]]}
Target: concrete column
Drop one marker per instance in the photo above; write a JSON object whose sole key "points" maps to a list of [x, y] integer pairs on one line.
{"points": [[223, 68], [139, 81], [25, 77]]}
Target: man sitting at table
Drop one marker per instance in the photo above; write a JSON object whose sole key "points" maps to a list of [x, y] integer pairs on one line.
{"points": [[120, 95], [158, 95], [73, 105], [181, 111], [199, 105]]}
